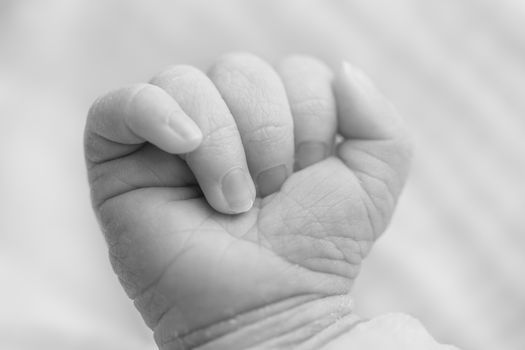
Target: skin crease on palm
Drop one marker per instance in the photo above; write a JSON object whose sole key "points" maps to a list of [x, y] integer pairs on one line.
{"points": [[239, 203]]}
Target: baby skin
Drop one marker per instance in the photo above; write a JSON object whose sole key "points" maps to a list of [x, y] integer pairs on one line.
{"points": [[238, 204]]}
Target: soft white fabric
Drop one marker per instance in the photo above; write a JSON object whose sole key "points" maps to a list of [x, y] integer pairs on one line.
{"points": [[388, 332]]}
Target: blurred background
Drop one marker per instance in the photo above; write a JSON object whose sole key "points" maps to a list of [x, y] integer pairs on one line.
{"points": [[454, 256]]}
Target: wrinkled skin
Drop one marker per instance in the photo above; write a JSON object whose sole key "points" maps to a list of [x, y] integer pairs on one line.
{"points": [[188, 266]]}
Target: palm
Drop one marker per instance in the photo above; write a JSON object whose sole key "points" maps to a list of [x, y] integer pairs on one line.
{"points": [[178, 253]]}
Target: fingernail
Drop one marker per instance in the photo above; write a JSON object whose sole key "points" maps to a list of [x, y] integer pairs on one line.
{"points": [[238, 190], [310, 152], [270, 180], [184, 127]]}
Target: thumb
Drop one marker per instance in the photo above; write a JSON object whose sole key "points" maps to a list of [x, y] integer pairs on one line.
{"points": [[376, 146]]}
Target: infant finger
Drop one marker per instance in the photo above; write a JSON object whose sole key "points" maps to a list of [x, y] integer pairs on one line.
{"points": [[308, 83], [123, 119], [219, 164], [256, 97]]}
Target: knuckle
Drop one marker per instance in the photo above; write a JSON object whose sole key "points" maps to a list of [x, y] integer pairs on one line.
{"points": [[314, 106], [269, 133], [175, 72], [222, 133], [239, 68], [93, 148]]}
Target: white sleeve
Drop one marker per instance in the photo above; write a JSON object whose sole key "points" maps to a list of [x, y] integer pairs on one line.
{"points": [[388, 332]]}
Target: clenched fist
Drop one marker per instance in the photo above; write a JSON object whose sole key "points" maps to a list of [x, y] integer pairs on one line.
{"points": [[239, 203]]}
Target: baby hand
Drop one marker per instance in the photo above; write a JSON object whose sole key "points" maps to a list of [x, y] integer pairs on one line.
{"points": [[232, 216]]}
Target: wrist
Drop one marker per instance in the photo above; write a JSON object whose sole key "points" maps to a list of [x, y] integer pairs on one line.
{"points": [[305, 322]]}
